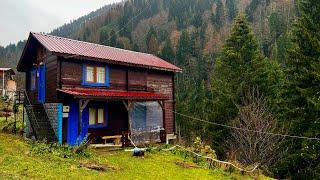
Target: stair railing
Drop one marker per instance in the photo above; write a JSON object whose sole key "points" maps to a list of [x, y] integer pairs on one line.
{"points": [[48, 118], [28, 103]]}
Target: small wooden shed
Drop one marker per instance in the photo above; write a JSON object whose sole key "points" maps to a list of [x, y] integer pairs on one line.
{"points": [[7, 83]]}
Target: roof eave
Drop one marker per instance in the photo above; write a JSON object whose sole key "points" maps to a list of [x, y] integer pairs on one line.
{"points": [[65, 55], [119, 98], [19, 67]]}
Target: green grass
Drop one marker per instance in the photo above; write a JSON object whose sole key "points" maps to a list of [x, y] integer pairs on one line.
{"points": [[18, 161], [7, 124]]}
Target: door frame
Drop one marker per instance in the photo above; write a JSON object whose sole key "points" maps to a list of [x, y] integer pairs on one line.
{"points": [[42, 83]]}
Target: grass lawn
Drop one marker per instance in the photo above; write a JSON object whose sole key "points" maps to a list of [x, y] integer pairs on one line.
{"points": [[18, 161]]}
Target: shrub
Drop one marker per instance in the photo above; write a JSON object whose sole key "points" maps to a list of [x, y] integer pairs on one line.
{"points": [[63, 151]]}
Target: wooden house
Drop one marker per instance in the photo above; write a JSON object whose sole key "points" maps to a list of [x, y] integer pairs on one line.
{"points": [[77, 91]]}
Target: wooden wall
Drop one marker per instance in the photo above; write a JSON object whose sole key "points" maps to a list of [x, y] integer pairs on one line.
{"points": [[126, 79], [163, 83], [51, 79], [50, 61]]}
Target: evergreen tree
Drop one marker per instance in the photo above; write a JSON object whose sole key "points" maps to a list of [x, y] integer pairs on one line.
{"points": [[167, 51], [151, 41], [303, 71], [104, 37], [136, 47], [218, 17], [252, 8], [240, 68], [113, 39], [183, 49], [231, 9]]}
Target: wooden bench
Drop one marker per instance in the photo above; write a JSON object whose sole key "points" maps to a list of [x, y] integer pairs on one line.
{"points": [[116, 139]]}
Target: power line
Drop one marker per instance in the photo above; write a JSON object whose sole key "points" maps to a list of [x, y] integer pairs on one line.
{"points": [[249, 130], [242, 129]]}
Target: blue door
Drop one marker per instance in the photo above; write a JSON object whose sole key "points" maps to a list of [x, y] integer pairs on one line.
{"points": [[42, 84]]}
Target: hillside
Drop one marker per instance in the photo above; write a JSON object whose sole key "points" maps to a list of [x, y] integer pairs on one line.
{"points": [[155, 26], [21, 160], [224, 61], [128, 25]]}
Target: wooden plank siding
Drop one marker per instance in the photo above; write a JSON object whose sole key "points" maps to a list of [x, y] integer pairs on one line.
{"points": [[137, 80], [118, 78], [71, 74], [163, 83], [51, 79], [125, 79]]}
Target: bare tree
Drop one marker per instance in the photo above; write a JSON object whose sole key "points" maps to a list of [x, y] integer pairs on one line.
{"points": [[249, 144]]}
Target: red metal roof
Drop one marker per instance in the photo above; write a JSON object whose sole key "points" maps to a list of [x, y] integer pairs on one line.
{"points": [[107, 94], [112, 55]]}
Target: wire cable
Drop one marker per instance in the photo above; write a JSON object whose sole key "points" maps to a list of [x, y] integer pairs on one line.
{"points": [[249, 130], [243, 129]]}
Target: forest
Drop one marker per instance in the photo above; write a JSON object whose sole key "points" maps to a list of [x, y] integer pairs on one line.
{"points": [[247, 64]]}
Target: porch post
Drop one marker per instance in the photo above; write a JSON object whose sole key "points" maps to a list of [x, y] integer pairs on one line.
{"points": [[162, 104], [128, 105], [82, 105]]}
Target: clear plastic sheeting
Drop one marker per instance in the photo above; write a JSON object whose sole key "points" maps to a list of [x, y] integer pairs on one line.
{"points": [[146, 122]]}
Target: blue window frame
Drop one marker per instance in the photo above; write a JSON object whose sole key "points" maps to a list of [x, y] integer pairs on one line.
{"points": [[94, 75], [94, 108], [33, 79]]}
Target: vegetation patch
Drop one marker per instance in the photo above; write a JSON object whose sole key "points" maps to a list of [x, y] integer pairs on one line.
{"points": [[96, 166], [185, 164]]}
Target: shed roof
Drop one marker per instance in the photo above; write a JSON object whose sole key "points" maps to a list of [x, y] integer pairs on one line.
{"points": [[70, 48], [7, 69], [114, 95]]}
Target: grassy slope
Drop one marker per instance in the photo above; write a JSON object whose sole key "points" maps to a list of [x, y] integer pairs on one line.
{"points": [[17, 162]]}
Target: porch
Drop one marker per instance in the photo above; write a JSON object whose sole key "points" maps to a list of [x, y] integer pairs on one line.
{"points": [[102, 116]]}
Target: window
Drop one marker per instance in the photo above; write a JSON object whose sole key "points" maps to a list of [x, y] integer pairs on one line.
{"points": [[95, 75], [101, 75], [96, 116], [33, 77], [90, 74]]}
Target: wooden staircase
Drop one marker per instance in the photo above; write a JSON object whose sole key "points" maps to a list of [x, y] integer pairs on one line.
{"points": [[38, 119], [40, 123]]}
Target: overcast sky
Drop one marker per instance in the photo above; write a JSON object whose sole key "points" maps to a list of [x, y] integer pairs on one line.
{"points": [[19, 17]]}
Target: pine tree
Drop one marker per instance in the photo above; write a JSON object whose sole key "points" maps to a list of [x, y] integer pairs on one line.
{"points": [[252, 8], [167, 51], [113, 39], [104, 37], [183, 49], [218, 17], [241, 68], [151, 41], [136, 47], [303, 65], [231, 9]]}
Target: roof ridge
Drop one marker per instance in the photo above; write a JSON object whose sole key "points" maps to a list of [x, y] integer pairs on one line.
{"points": [[69, 39], [76, 47]]}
